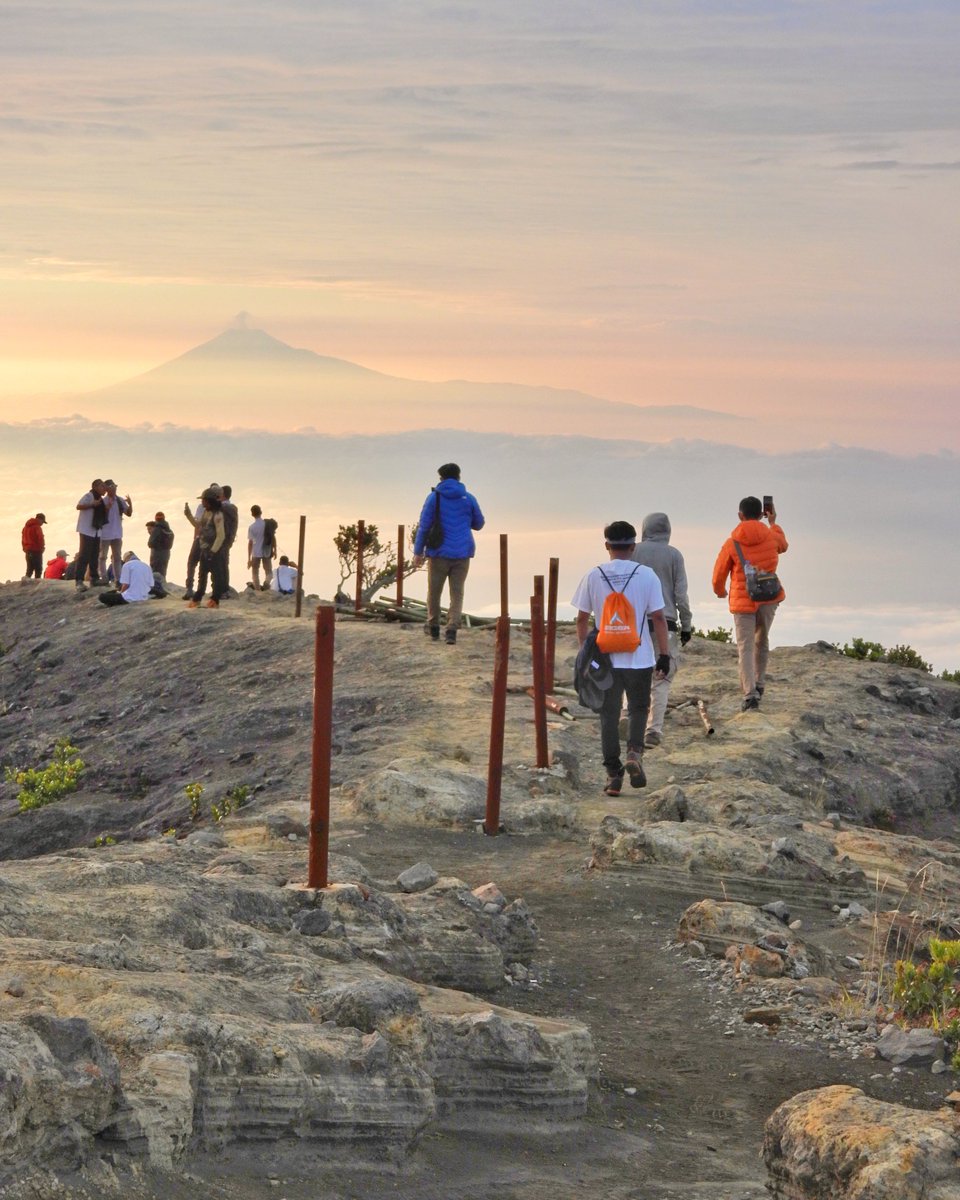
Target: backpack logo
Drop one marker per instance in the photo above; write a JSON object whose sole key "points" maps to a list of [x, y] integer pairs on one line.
{"points": [[618, 631]]}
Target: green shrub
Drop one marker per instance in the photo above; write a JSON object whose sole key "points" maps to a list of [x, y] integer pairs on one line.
{"points": [[929, 994], [870, 651], [950, 676], [906, 656], [194, 792], [715, 635], [43, 785]]}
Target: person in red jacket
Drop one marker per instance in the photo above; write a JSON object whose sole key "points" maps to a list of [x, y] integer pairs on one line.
{"points": [[56, 566], [31, 539], [761, 546]]}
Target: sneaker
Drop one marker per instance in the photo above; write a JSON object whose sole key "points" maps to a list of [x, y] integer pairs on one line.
{"points": [[614, 784], [652, 739], [432, 631], [193, 604], [751, 704], [759, 689], [212, 604], [188, 594], [635, 770], [450, 637]]}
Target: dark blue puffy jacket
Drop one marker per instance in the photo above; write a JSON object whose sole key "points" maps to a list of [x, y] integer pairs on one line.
{"points": [[459, 515]]}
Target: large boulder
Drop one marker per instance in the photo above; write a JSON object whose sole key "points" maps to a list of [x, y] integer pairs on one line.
{"points": [[836, 1142]]}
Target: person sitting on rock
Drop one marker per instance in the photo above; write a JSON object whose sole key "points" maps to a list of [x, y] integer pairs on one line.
{"points": [[285, 577], [136, 582], [57, 566]]}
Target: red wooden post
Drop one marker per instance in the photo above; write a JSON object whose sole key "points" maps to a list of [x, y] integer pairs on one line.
{"points": [[361, 534], [322, 749], [539, 691], [551, 650], [400, 565], [504, 592], [303, 535], [491, 824]]}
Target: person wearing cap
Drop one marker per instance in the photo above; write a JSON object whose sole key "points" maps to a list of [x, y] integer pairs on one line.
{"points": [[211, 539], [654, 551], [136, 580], [160, 543], [57, 566], [632, 670], [448, 562], [111, 533], [194, 517], [32, 541]]}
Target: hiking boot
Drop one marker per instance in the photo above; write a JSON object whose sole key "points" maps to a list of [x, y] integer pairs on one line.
{"points": [[212, 604], [450, 637], [652, 739], [432, 631], [751, 704], [634, 767], [614, 784]]}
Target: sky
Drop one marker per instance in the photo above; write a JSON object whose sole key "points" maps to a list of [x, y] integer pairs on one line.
{"points": [[748, 206]]}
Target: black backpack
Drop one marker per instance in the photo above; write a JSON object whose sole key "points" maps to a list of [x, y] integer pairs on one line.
{"points": [[269, 533], [592, 674]]}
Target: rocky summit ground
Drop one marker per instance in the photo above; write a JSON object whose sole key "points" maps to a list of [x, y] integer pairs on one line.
{"points": [[619, 1013]]}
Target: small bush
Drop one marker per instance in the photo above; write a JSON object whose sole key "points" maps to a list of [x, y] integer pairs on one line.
{"points": [[950, 676], [906, 656], [929, 994], [864, 650], [43, 785], [194, 793], [715, 635]]}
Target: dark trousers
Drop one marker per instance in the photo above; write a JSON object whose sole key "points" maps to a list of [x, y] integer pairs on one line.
{"points": [[113, 599], [89, 557], [213, 565], [34, 563], [193, 558], [635, 683], [159, 561]]}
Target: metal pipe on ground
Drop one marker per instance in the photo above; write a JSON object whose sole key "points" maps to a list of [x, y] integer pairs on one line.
{"points": [[539, 696], [317, 865], [303, 536], [361, 534], [491, 823], [551, 650], [401, 531]]}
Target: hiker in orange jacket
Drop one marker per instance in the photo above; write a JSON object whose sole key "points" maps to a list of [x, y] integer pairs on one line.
{"points": [[31, 539], [761, 546]]}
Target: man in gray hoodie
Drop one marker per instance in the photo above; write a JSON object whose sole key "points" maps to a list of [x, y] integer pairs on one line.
{"points": [[654, 551]]}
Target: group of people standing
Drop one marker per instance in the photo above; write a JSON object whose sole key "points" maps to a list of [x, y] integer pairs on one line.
{"points": [[100, 559]]}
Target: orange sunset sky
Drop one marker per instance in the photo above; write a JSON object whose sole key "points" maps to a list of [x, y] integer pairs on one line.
{"points": [[748, 207]]}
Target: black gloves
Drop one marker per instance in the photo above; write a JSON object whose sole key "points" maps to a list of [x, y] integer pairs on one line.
{"points": [[663, 664], [685, 636]]}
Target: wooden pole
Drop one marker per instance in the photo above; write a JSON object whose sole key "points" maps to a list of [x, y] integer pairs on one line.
{"points": [[361, 534], [401, 531], [539, 691], [491, 824], [303, 535], [551, 649], [504, 591], [322, 748]]}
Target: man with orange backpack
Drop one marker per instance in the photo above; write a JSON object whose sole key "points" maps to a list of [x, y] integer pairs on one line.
{"points": [[626, 601]]}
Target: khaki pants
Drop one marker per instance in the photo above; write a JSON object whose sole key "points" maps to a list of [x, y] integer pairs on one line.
{"points": [[440, 571], [753, 647], [660, 690]]}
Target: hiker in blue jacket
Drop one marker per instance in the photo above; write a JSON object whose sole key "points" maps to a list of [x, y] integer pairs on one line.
{"points": [[447, 548]]}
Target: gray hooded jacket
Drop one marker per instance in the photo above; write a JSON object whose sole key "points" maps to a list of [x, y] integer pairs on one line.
{"points": [[654, 551]]}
